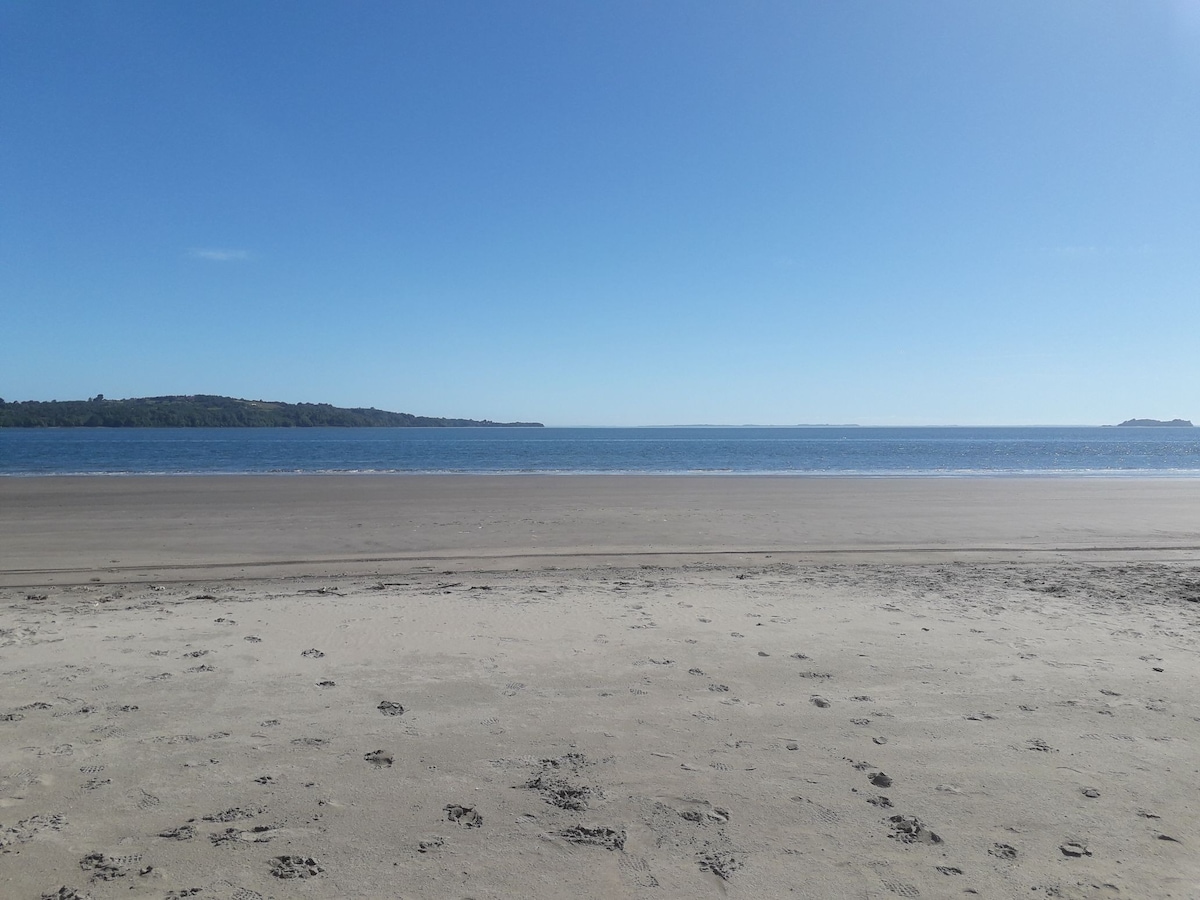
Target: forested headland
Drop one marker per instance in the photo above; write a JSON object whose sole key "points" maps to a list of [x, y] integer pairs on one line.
{"points": [[207, 411]]}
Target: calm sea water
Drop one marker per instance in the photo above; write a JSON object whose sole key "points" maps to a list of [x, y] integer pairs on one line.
{"points": [[790, 451]]}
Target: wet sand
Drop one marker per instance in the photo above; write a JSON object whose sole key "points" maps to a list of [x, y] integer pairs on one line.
{"points": [[599, 687], [64, 530]]}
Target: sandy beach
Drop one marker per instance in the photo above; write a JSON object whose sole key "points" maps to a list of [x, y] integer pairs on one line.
{"points": [[661, 687]]}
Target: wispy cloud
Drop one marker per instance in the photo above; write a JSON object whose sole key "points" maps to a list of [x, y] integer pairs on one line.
{"points": [[218, 254]]}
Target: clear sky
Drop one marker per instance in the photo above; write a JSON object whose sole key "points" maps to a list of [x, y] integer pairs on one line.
{"points": [[608, 213]]}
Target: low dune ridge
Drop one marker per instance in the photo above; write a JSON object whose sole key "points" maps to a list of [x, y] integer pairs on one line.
{"points": [[497, 719]]}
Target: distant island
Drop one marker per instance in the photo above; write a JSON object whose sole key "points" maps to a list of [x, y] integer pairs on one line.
{"points": [[1174, 423], [206, 411]]}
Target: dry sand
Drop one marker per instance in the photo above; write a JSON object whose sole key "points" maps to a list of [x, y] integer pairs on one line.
{"points": [[599, 687]]}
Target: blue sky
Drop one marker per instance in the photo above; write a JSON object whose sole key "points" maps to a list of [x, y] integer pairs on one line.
{"points": [[608, 213]]}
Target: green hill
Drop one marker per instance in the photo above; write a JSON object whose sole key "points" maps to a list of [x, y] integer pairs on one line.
{"points": [[206, 411]]}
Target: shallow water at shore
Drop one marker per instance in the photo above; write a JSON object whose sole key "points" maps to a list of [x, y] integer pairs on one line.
{"points": [[789, 451]]}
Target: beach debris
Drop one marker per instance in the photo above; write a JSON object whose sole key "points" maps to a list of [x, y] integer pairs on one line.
{"points": [[820, 702], [390, 708]]}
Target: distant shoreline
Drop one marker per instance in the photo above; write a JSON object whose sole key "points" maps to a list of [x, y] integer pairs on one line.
{"points": [[1155, 423], [211, 411]]}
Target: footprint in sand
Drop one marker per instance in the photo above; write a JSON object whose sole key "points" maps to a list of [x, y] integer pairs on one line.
{"points": [[911, 830], [312, 653], [66, 893], [901, 889], [720, 863], [144, 800], [233, 814], [101, 867], [295, 867], [381, 758], [608, 838], [463, 816]]}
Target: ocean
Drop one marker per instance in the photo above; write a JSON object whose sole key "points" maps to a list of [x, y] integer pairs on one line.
{"points": [[809, 451]]}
